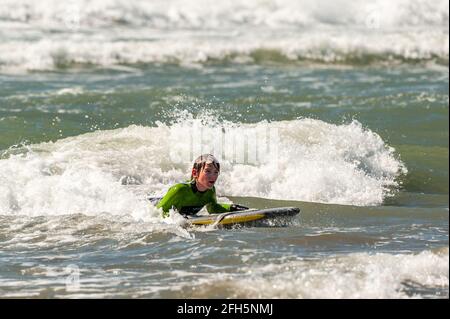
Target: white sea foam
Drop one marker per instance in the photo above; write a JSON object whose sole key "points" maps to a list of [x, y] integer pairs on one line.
{"points": [[48, 34], [99, 172], [359, 275]]}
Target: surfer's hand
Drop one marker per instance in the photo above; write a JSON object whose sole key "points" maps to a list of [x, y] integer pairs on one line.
{"points": [[236, 207]]}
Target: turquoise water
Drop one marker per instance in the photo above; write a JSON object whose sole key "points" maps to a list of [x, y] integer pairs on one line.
{"points": [[353, 132]]}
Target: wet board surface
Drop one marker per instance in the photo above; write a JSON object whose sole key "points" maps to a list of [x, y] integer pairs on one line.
{"points": [[243, 217]]}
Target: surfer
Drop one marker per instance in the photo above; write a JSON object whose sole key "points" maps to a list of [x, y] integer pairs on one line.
{"points": [[190, 197]]}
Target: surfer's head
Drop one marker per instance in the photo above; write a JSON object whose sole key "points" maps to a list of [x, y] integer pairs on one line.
{"points": [[205, 171]]}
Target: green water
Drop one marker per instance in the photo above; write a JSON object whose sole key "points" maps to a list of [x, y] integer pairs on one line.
{"points": [[77, 205], [407, 106]]}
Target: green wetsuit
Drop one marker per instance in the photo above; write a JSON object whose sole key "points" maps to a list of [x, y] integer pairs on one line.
{"points": [[188, 200]]}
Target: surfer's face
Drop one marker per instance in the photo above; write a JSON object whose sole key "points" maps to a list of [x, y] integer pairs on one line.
{"points": [[207, 177]]}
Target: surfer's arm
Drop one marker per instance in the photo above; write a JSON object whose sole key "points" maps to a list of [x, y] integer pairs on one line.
{"points": [[214, 207], [221, 208], [218, 208]]}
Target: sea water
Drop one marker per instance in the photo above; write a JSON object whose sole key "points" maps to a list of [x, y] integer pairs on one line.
{"points": [[340, 109]]}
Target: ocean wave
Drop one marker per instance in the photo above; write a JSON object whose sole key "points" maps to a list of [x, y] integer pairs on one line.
{"points": [[208, 14], [313, 48], [49, 35], [359, 275], [304, 159]]}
